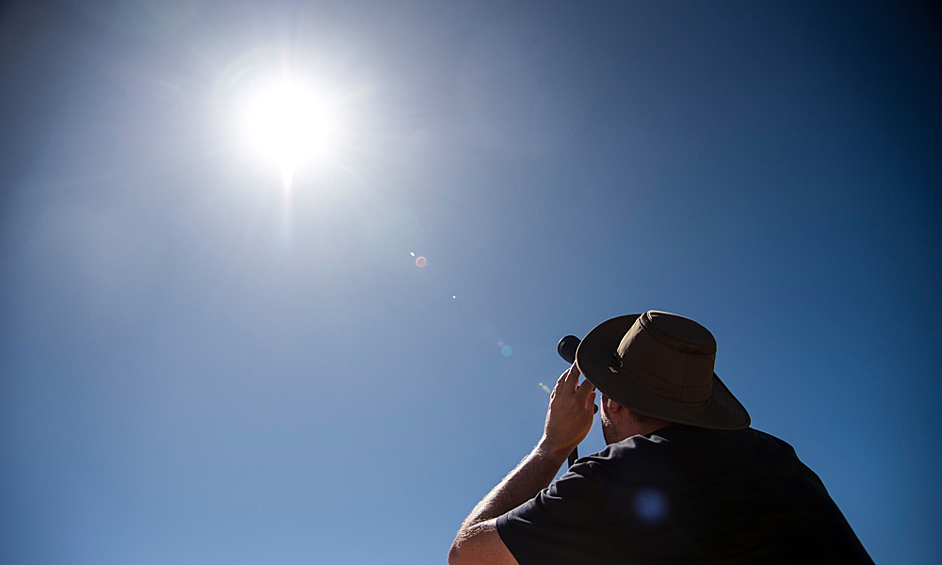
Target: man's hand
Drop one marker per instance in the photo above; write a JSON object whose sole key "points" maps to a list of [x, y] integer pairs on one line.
{"points": [[570, 414], [568, 420]]}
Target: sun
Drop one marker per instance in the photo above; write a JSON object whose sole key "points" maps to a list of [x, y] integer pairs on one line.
{"points": [[290, 125]]}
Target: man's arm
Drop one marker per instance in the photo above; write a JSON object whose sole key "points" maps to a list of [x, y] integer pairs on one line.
{"points": [[568, 420]]}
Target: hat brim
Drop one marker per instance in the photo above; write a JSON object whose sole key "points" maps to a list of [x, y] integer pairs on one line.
{"points": [[594, 360]]}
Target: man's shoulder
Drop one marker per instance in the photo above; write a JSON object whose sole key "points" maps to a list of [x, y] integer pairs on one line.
{"points": [[694, 447], [682, 436], [693, 437]]}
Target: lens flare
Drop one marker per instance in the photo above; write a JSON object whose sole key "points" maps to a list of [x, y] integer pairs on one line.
{"points": [[420, 261], [650, 505]]}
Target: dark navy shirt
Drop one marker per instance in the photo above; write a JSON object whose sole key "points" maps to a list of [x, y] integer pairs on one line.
{"points": [[684, 495]]}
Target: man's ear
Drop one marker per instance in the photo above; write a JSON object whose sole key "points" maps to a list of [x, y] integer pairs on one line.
{"points": [[612, 406]]}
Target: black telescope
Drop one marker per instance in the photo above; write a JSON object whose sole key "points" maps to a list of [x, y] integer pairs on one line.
{"points": [[567, 350]]}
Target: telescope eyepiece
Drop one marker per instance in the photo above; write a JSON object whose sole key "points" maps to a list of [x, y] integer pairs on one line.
{"points": [[567, 348]]}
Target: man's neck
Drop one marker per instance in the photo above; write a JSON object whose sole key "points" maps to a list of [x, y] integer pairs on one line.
{"points": [[643, 429]]}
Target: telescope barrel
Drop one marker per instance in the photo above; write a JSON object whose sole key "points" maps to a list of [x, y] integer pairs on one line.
{"points": [[567, 350]]}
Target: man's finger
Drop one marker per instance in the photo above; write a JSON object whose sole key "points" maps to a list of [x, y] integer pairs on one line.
{"points": [[571, 381], [562, 378], [584, 390]]}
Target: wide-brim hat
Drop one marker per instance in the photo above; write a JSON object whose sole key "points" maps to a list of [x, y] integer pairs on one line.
{"points": [[660, 365]]}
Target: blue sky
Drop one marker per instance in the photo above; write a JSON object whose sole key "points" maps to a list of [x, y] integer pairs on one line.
{"points": [[200, 366]]}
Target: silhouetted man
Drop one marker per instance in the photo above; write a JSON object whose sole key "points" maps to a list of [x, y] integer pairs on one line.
{"points": [[684, 479]]}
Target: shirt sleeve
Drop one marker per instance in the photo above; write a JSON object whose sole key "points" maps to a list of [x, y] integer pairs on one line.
{"points": [[558, 525]]}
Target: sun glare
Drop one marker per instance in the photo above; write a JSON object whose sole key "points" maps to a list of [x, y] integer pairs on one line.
{"points": [[290, 125]]}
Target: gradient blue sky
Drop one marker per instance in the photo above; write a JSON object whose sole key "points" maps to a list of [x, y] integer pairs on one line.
{"points": [[199, 366]]}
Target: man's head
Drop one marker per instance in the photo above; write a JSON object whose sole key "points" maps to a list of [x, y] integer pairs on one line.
{"points": [[660, 366]]}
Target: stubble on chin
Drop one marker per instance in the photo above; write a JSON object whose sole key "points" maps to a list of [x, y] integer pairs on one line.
{"points": [[608, 431]]}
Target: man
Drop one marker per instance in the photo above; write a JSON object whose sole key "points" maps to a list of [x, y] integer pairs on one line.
{"points": [[684, 479]]}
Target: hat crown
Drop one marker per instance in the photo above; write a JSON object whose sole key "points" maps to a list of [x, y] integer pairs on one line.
{"points": [[678, 332], [672, 356]]}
